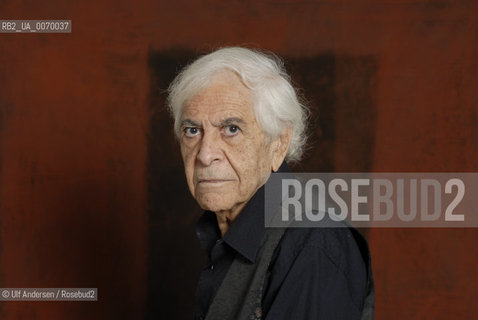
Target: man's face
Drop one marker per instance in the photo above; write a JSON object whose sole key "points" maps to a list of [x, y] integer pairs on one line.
{"points": [[223, 147]]}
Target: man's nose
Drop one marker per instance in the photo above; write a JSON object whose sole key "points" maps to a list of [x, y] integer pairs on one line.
{"points": [[209, 149]]}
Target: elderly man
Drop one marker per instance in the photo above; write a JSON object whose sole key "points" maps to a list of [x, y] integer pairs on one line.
{"points": [[238, 119]]}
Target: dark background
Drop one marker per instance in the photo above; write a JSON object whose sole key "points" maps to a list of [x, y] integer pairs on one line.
{"points": [[92, 190]]}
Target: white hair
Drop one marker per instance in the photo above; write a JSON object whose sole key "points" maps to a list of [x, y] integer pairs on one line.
{"points": [[276, 105]]}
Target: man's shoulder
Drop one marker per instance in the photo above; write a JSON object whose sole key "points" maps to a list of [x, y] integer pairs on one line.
{"points": [[331, 252], [341, 245], [318, 260]]}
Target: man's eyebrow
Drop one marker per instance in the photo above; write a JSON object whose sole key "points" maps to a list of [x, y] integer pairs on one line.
{"points": [[189, 122], [229, 121], [222, 123]]}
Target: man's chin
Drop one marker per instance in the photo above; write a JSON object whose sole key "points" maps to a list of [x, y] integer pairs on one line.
{"points": [[213, 202]]}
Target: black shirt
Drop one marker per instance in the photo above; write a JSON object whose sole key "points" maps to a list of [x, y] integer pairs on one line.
{"points": [[315, 273]]}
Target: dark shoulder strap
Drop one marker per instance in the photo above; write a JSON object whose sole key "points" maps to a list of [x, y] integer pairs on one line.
{"points": [[240, 294], [369, 302]]}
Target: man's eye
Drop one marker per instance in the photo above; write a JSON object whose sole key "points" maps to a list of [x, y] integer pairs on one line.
{"points": [[231, 130], [191, 131]]}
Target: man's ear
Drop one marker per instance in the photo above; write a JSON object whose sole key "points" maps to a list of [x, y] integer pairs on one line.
{"points": [[280, 146]]}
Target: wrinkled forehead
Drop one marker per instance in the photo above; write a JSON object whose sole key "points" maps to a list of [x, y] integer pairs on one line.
{"points": [[224, 93]]}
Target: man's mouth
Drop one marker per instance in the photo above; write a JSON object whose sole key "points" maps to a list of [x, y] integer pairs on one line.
{"points": [[213, 181]]}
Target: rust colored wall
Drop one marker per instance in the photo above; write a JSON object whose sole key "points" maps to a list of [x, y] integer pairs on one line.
{"points": [[88, 165]]}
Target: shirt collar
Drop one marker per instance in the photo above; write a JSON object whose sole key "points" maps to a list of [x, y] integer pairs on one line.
{"points": [[207, 230], [246, 233]]}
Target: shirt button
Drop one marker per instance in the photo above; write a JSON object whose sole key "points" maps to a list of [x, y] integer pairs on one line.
{"points": [[211, 267]]}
